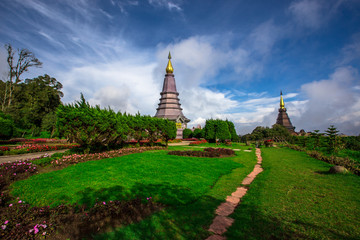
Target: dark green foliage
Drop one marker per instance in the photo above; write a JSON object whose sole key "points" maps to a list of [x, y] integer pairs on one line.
{"points": [[210, 131], [187, 133], [259, 133], [34, 99], [198, 133], [167, 129], [217, 130], [234, 136], [222, 131], [95, 129], [331, 132], [6, 126]]}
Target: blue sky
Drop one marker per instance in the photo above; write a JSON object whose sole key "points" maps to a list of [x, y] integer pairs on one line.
{"points": [[230, 58]]}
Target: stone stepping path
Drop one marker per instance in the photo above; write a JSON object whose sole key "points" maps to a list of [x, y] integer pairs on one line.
{"points": [[222, 221]]}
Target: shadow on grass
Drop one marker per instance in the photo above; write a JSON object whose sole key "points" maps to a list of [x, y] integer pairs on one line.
{"points": [[184, 217], [253, 224], [185, 213]]}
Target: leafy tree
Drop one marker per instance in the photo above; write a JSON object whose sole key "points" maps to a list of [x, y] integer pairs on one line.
{"points": [[48, 123], [34, 99], [216, 129], [6, 126], [187, 133], [234, 136], [209, 130], [198, 133], [167, 130], [279, 133], [17, 66], [259, 133], [331, 132], [222, 131]]}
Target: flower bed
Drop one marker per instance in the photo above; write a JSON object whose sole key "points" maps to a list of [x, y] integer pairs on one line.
{"points": [[30, 148], [4, 149], [12, 171], [190, 139], [19, 220], [221, 151], [76, 158], [198, 142], [208, 152]]}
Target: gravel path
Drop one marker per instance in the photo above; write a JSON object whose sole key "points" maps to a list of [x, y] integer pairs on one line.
{"points": [[13, 158], [222, 221]]}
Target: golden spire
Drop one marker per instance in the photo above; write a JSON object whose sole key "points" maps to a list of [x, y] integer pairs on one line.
{"points": [[282, 104], [169, 67]]}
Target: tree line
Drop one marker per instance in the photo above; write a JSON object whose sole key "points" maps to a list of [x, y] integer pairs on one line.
{"points": [[27, 106]]}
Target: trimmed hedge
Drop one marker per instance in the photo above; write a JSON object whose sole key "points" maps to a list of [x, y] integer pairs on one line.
{"points": [[208, 152], [95, 128]]}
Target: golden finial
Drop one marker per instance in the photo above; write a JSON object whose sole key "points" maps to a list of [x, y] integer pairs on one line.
{"points": [[169, 67], [282, 104]]}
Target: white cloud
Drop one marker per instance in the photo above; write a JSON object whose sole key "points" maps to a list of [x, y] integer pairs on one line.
{"points": [[122, 85], [307, 13], [333, 101], [171, 5]]}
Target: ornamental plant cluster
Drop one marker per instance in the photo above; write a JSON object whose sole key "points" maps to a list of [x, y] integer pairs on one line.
{"points": [[220, 130], [30, 148], [198, 142], [77, 158], [13, 171], [31, 141], [93, 127], [19, 220], [208, 152]]}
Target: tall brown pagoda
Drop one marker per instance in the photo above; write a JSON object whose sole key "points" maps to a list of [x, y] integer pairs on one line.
{"points": [[169, 106], [283, 118]]}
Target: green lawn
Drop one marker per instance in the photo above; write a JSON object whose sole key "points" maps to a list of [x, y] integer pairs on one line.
{"points": [[295, 198], [190, 187]]}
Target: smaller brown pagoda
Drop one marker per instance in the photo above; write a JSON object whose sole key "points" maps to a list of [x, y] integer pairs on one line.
{"points": [[169, 106], [283, 118]]}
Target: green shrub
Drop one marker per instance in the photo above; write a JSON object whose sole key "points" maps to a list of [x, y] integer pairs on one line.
{"points": [[187, 133], [97, 129], [6, 126], [217, 129]]}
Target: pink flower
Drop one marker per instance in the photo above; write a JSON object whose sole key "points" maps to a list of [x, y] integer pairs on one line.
{"points": [[6, 222], [44, 233], [36, 230], [10, 205], [104, 203], [20, 201], [14, 173]]}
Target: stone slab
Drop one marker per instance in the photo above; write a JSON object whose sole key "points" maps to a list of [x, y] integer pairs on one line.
{"points": [[220, 224], [240, 192], [225, 209], [216, 237]]}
